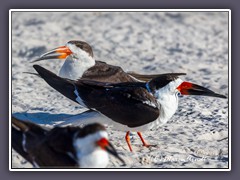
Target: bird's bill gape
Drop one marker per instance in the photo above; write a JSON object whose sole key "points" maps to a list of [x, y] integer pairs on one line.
{"points": [[106, 145], [187, 88], [61, 52]]}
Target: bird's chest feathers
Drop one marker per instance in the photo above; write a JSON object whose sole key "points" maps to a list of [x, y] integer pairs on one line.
{"points": [[168, 103], [96, 159], [169, 106], [74, 68]]}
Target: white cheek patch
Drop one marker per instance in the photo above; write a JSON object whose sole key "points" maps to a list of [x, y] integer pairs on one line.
{"points": [[92, 138], [80, 54], [102, 134], [169, 89], [77, 63]]}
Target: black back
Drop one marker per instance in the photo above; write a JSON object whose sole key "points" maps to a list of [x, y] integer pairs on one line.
{"points": [[132, 106]]}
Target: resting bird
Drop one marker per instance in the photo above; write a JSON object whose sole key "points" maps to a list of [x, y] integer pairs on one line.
{"points": [[62, 147], [79, 63], [129, 106]]}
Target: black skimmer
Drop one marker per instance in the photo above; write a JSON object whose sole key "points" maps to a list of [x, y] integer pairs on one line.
{"points": [[80, 63], [65, 147], [130, 106]]}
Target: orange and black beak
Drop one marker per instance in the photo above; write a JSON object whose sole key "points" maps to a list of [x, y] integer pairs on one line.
{"points": [[58, 53], [187, 88], [106, 145]]}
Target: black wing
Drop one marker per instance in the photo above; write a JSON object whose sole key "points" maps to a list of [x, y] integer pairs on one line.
{"points": [[124, 103], [44, 148], [26, 136], [104, 72], [132, 106]]}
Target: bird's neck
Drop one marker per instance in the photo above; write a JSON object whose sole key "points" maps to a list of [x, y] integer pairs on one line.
{"points": [[90, 156], [168, 107], [74, 68], [167, 98], [96, 159]]}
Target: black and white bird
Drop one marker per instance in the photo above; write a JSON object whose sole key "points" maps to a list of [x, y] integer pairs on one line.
{"points": [[129, 106], [79, 62], [62, 147]]}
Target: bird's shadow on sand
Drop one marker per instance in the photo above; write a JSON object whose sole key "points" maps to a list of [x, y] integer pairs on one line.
{"points": [[42, 118]]}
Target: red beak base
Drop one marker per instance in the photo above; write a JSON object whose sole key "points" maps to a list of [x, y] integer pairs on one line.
{"points": [[187, 88]]}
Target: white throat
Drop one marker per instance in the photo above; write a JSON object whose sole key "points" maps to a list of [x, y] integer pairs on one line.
{"points": [[89, 155], [76, 64], [168, 100]]}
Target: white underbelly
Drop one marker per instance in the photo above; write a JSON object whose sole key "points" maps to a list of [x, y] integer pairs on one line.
{"points": [[96, 117], [97, 159]]}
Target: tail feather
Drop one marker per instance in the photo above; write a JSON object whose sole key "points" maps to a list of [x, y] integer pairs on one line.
{"points": [[143, 77], [35, 74]]}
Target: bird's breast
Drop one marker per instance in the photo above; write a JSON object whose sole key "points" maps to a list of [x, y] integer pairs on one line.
{"points": [[97, 159]]}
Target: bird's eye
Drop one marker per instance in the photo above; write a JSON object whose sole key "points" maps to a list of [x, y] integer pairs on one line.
{"points": [[74, 56], [178, 94]]}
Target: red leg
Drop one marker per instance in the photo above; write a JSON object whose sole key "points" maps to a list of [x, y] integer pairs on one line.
{"points": [[128, 140], [144, 143]]}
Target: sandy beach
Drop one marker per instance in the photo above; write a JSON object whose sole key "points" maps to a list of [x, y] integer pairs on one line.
{"points": [[195, 43]]}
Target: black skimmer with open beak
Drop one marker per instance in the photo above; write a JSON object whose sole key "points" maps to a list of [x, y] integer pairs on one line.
{"points": [[62, 147], [130, 106], [80, 63]]}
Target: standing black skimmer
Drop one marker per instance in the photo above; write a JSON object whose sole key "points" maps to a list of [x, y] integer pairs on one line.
{"points": [[130, 106], [65, 147], [80, 63]]}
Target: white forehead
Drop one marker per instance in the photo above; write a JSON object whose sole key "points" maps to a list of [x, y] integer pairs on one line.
{"points": [[170, 87], [100, 134], [174, 84], [92, 138], [77, 50]]}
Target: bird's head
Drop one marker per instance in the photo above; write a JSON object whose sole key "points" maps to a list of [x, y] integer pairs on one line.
{"points": [[77, 50], [92, 138], [167, 85]]}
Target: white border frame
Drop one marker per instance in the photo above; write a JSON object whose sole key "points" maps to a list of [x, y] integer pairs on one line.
{"points": [[114, 10]]}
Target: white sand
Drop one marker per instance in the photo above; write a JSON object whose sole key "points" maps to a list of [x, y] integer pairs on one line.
{"points": [[157, 42]]}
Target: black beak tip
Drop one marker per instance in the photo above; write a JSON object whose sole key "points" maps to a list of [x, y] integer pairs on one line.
{"points": [[120, 159], [222, 96], [110, 149], [123, 164], [36, 60]]}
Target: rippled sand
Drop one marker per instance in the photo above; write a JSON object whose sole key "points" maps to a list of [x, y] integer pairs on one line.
{"points": [[148, 42]]}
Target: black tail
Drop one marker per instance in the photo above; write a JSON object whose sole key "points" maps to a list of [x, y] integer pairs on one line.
{"points": [[25, 135], [62, 85], [144, 77]]}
